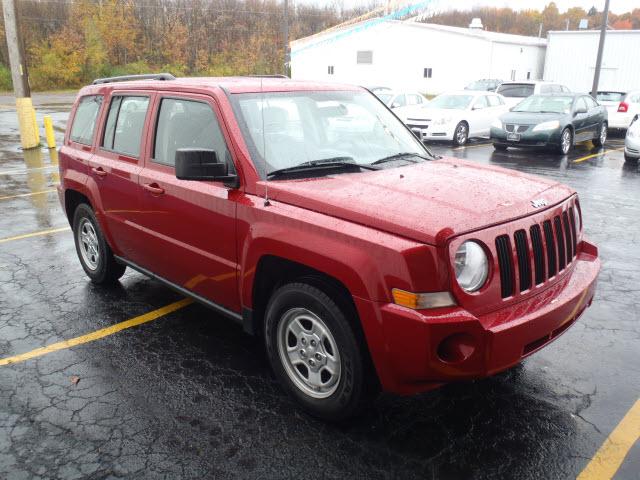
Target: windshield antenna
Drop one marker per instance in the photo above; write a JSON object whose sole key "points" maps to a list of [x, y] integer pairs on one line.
{"points": [[264, 148]]}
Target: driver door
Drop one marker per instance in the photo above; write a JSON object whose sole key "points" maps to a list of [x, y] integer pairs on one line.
{"points": [[480, 117], [581, 121], [189, 225]]}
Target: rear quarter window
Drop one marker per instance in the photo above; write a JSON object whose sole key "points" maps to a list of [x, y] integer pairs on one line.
{"points": [[516, 90], [84, 120]]}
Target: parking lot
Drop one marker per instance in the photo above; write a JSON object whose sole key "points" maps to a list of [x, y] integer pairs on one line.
{"points": [[186, 394]]}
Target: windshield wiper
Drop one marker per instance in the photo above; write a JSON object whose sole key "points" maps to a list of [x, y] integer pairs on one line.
{"points": [[323, 164], [400, 155]]}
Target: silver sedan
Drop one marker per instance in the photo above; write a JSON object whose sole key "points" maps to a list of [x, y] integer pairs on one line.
{"points": [[632, 142]]}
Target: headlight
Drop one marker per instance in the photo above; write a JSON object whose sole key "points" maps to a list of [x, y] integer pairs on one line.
{"points": [[471, 266], [496, 124], [442, 121], [552, 125]]}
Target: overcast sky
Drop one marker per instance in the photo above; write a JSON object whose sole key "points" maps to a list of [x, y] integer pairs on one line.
{"points": [[616, 6]]}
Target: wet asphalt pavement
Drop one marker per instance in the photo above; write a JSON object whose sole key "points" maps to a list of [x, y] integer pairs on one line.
{"points": [[190, 396]]}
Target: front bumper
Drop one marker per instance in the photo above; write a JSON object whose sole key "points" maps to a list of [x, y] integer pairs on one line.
{"points": [[632, 147], [430, 131], [421, 350], [542, 139]]}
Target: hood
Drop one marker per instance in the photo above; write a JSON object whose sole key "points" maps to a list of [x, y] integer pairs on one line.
{"points": [[425, 113], [530, 118], [427, 202]]}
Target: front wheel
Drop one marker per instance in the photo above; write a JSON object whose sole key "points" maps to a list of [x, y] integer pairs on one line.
{"points": [[314, 352], [461, 134], [94, 253], [602, 136], [629, 159], [499, 147], [566, 141]]}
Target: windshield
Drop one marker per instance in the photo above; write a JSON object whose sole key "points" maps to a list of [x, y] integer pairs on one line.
{"points": [[516, 90], [385, 97], [610, 96], [479, 85], [307, 126], [453, 102], [545, 104]]}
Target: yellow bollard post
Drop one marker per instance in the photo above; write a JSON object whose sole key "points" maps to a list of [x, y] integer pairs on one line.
{"points": [[26, 122], [35, 125], [48, 132]]}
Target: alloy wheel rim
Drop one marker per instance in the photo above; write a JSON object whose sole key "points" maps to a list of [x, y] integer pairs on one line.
{"points": [[309, 353], [89, 245], [566, 141], [461, 134]]}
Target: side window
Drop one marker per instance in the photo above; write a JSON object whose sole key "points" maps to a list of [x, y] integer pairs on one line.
{"points": [[187, 124], [580, 103], [125, 122], [591, 103], [399, 101], [494, 100], [84, 121], [481, 102]]}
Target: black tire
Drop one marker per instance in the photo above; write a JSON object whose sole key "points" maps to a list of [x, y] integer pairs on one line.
{"points": [[500, 147], [629, 159], [350, 390], [105, 269], [461, 134], [602, 137], [563, 148]]}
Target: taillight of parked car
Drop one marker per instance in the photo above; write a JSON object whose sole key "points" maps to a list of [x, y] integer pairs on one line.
{"points": [[623, 107]]}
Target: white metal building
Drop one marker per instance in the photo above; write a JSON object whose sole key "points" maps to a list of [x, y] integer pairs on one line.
{"points": [[571, 59], [418, 56]]}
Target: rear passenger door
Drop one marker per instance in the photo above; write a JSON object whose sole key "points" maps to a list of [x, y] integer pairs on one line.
{"points": [[189, 225], [115, 168]]}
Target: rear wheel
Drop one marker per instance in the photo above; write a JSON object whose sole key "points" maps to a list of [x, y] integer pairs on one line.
{"points": [[566, 141], [314, 351], [500, 147], [602, 136], [95, 256], [461, 134]]}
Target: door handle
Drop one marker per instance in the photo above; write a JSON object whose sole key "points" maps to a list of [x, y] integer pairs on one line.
{"points": [[153, 188], [99, 171]]}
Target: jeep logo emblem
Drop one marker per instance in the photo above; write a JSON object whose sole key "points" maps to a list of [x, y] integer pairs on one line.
{"points": [[538, 202]]}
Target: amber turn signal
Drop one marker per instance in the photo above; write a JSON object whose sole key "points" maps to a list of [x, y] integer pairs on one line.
{"points": [[420, 301]]}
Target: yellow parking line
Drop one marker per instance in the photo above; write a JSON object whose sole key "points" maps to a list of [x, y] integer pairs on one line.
{"points": [[608, 459], [27, 194], [33, 234], [98, 334], [599, 154]]}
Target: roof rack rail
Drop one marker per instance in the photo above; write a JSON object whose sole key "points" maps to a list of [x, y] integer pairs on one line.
{"points": [[127, 78], [267, 76]]}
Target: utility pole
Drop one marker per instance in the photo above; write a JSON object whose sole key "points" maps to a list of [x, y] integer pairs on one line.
{"points": [[29, 133], [19, 74], [603, 33], [287, 53]]}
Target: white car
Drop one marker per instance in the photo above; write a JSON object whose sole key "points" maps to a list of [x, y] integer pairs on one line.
{"points": [[515, 92], [394, 99], [622, 107], [454, 116], [632, 142]]}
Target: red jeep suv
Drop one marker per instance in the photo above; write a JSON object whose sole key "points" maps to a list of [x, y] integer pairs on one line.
{"points": [[311, 215]]}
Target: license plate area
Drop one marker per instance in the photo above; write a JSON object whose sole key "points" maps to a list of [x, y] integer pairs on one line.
{"points": [[513, 137]]}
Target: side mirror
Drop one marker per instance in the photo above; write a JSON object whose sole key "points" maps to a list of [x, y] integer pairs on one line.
{"points": [[579, 110], [202, 164], [478, 107], [395, 105]]}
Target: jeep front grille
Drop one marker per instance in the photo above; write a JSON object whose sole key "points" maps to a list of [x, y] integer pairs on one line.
{"points": [[523, 256]]}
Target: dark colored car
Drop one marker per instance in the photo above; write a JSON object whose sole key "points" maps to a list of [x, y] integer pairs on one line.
{"points": [[484, 85], [311, 215], [556, 121]]}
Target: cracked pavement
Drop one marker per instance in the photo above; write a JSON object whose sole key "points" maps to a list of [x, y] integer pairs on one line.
{"points": [[190, 396]]}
